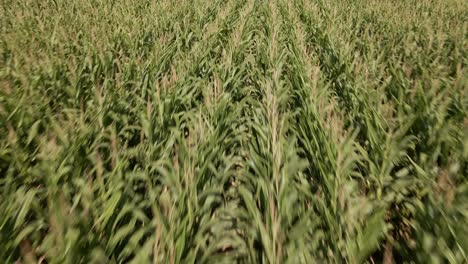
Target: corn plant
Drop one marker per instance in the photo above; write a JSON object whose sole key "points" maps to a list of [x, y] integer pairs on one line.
{"points": [[238, 131]]}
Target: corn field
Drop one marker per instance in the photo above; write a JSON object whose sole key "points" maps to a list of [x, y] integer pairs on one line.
{"points": [[234, 131]]}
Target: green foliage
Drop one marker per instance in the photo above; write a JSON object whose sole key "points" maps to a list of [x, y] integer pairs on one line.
{"points": [[243, 131]]}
